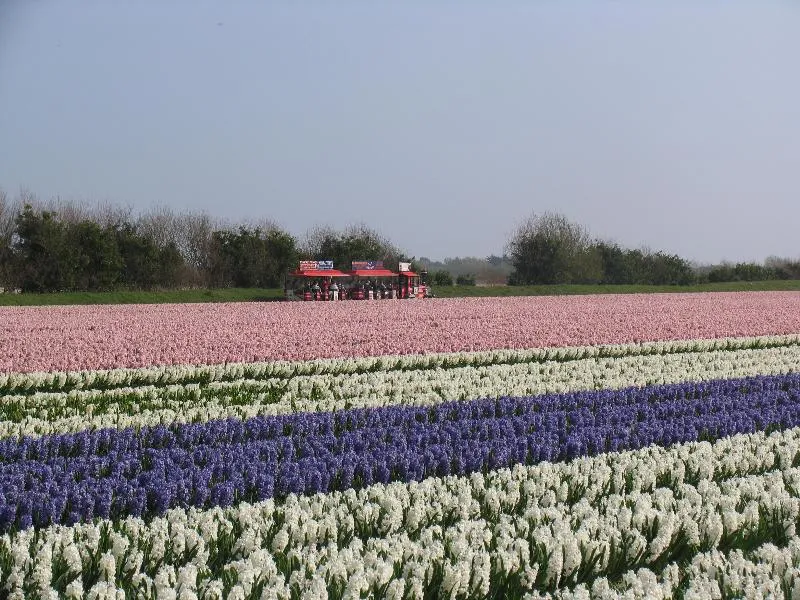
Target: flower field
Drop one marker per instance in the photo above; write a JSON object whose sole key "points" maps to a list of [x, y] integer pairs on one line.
{"points": [[572, 447], [76, 338]]}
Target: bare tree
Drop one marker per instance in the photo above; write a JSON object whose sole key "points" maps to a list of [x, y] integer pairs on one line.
{"points": [[196, 243], [776, 262], [8, 212], [72, 211], [314, 239], [107, 214], [162, 225], [68, 210], [28, 197], [263, 224], [9, 209], [784, 268]]}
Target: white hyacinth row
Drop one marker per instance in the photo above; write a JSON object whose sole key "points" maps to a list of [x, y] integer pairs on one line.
{"points": [[768, 572], [47, 413], [183, 374], [546, 528]]}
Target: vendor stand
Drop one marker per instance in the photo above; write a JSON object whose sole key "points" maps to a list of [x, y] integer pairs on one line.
{"points": [[372, 281], [412, 285], [313, 280]]}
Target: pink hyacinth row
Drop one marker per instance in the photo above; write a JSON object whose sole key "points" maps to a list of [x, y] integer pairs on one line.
{"points": [[102, 337]]}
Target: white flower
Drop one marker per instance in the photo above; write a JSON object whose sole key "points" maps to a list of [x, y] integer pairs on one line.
{"points": [[634, 365], [102, 590], [280, 541], [74, 589], [108, 567], [236, 593], [213, 590], [165, 583]]}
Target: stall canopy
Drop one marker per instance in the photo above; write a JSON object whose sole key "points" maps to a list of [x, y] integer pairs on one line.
{"points": [[319, 273], [373, 273], [408, 274]]}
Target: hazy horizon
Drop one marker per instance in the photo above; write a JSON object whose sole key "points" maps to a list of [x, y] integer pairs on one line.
{"points": [[440, 125]]}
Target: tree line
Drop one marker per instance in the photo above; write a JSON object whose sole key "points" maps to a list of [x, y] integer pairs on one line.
{"points": [[551, 249], [67, 246]]}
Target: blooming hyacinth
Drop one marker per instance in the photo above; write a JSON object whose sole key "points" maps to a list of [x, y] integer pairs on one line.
{"points": [[74, 338], [113, 473], [528, 448]]}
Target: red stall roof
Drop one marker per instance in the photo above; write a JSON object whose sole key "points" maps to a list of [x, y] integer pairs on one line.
{"points": [[320, 273], [408, 273], [373, 273]]}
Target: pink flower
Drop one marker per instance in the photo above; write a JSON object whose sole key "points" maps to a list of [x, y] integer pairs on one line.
{"points": [[99, 337]]}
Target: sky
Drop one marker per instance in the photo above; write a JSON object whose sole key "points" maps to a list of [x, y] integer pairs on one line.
{"points": [[443, 125]]}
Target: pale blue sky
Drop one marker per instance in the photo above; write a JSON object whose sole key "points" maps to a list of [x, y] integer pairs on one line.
{"points": [[674, 125]]}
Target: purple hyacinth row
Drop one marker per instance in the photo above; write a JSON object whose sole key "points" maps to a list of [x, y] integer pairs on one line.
{"points": [[114, 473]]}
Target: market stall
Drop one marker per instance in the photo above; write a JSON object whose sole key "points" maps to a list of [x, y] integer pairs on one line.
{"points": [[370, 280], [412, 285], [315, 280]]}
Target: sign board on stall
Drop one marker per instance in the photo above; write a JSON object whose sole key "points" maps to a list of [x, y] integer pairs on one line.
{"points": [[316, 265], [404, 266], [308, 265], [367, 265]]}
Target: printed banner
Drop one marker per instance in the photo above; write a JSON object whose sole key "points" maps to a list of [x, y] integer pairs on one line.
{"points": [[404, 266], [308, 265], [367, 265], [316, 265]]}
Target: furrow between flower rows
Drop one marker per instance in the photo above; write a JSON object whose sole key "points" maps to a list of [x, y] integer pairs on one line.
{"points": [[542, 528], [53, 413], [28, 383], [112, 473]]}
